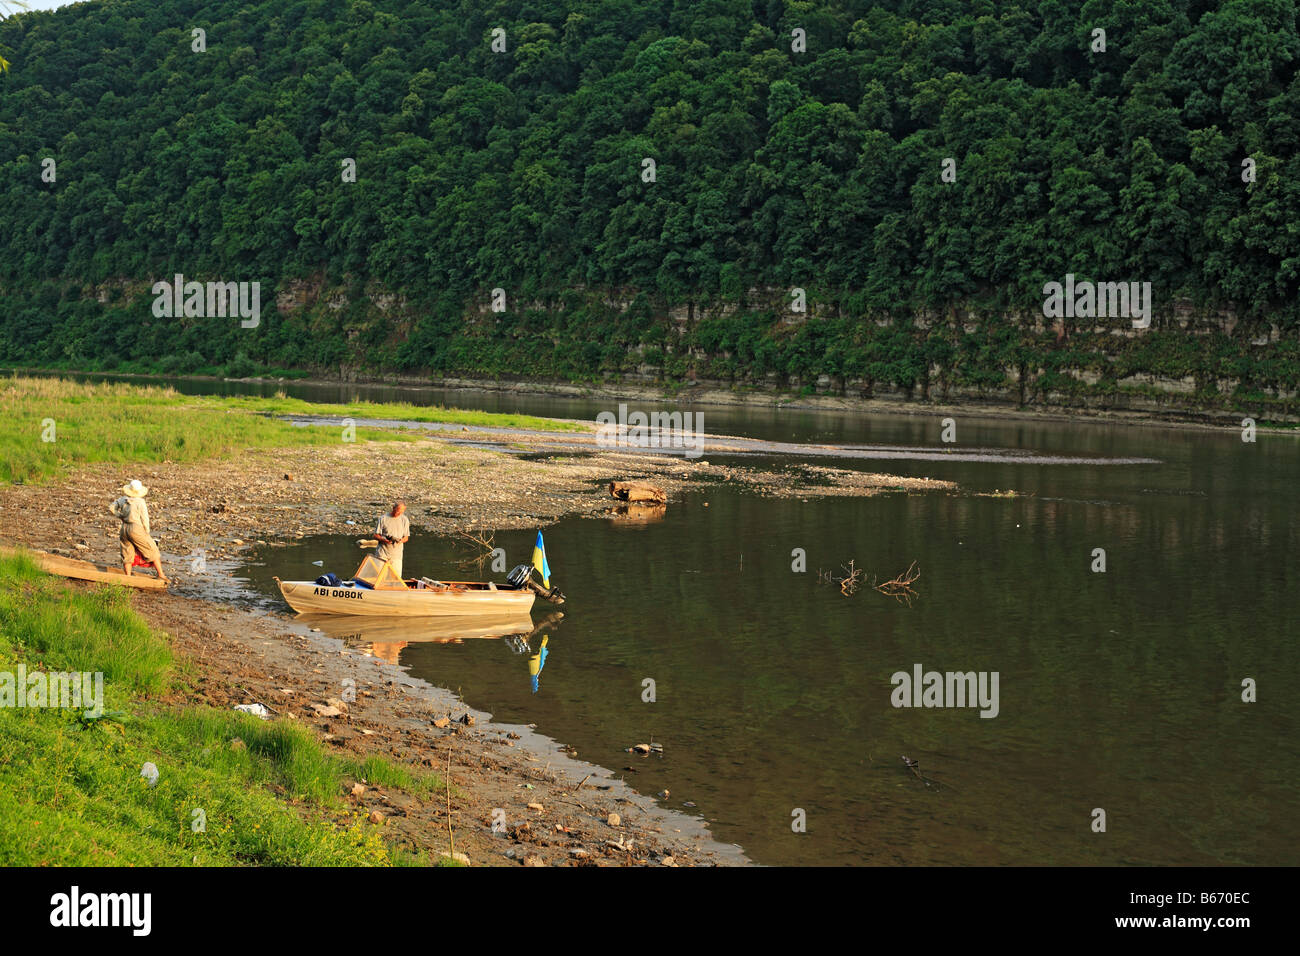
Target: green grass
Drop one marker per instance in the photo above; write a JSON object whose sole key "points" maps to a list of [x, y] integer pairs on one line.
{"points": [[378, 772], [71, 790], [73, 632], [129, 424], [132, 424], [400, 411]]}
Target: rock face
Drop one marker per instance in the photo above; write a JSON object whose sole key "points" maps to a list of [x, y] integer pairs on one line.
{"points": [[1060, 355]]}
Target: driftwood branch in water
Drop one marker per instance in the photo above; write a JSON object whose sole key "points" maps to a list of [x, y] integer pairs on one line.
{"points": [[849, 580], [915, 767], [484, 543], [849, 583], [900, 587]]}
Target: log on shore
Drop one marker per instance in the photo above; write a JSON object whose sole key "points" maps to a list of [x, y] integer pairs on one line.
{"points": [[637, 491]]}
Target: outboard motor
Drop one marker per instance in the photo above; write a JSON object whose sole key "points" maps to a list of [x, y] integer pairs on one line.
{"points": [[522, 577]]}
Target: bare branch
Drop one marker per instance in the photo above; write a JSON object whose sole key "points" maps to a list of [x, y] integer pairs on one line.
{"points": [[900, 587]]}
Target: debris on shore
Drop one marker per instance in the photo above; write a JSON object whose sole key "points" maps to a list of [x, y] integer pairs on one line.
{"points": [[637, 491]]}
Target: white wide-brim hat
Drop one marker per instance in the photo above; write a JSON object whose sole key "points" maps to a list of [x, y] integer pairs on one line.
{"points": [[135, 489]]}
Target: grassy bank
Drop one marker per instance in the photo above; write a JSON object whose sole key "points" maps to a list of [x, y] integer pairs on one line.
{"points": [[401, 411], [53, 424], [231, 789]]}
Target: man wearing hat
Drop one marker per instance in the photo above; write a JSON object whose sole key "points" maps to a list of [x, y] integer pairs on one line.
{"points": [[135, 536]]}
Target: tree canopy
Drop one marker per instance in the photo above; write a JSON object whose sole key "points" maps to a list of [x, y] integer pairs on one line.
{"points": [[773, 166]]}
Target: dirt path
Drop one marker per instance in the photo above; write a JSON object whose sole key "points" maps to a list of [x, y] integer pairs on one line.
{"points": [[244, 656]]}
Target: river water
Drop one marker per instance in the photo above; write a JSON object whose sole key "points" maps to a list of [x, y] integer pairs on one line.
{"points": [[1118, 690]]}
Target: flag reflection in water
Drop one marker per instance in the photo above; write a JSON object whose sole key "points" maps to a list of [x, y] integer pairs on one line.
{"points": [[536, 662]]}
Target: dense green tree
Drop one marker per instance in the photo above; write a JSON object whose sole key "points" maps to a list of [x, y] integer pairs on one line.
{"points": [[622, 160]]}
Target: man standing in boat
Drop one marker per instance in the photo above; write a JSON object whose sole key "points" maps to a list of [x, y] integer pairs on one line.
{"points": [[136, 536], [392, 532]]}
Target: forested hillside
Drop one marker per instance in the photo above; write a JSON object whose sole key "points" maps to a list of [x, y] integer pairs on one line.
{"points": [[1173, 156]]}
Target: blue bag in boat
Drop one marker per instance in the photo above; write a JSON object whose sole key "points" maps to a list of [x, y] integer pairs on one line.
{"points": [[329, 579]]}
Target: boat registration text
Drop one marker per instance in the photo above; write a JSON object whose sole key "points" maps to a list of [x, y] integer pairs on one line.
{"points": [[338, 592]]}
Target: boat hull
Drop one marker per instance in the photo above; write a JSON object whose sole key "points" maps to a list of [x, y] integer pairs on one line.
{"points": [[308, 597]]}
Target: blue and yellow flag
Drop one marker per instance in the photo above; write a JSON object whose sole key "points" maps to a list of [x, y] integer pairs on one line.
{"points": [[539, 561]]}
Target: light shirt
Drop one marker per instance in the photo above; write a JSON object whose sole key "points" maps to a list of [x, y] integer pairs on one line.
{"points": [[131, 510], [396, 528]]}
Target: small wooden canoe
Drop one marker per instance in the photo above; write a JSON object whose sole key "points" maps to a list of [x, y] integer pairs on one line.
{"points": [[85, 571], [447, 599]]}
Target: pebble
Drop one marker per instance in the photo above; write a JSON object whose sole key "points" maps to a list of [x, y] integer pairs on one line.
{"points": [[614, 820]]}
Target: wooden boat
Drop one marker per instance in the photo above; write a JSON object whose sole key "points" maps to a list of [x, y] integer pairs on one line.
{"points": [[449, 599], [85, 571], [377, 590]]}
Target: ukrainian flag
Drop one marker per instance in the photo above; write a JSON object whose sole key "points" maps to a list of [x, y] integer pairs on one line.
{"points": [[539, 561]]}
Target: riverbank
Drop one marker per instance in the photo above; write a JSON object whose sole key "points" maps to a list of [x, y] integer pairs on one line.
{"points": [[715, 394], [392, 772], [973, 405], [548, 807], [228, 500], [116, 768]]}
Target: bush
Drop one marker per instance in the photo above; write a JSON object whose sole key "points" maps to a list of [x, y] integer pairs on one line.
{"points": [[241, 366]]}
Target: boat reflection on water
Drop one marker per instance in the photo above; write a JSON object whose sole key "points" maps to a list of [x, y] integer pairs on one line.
{"points": [[385, 637], [522, 644]]}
